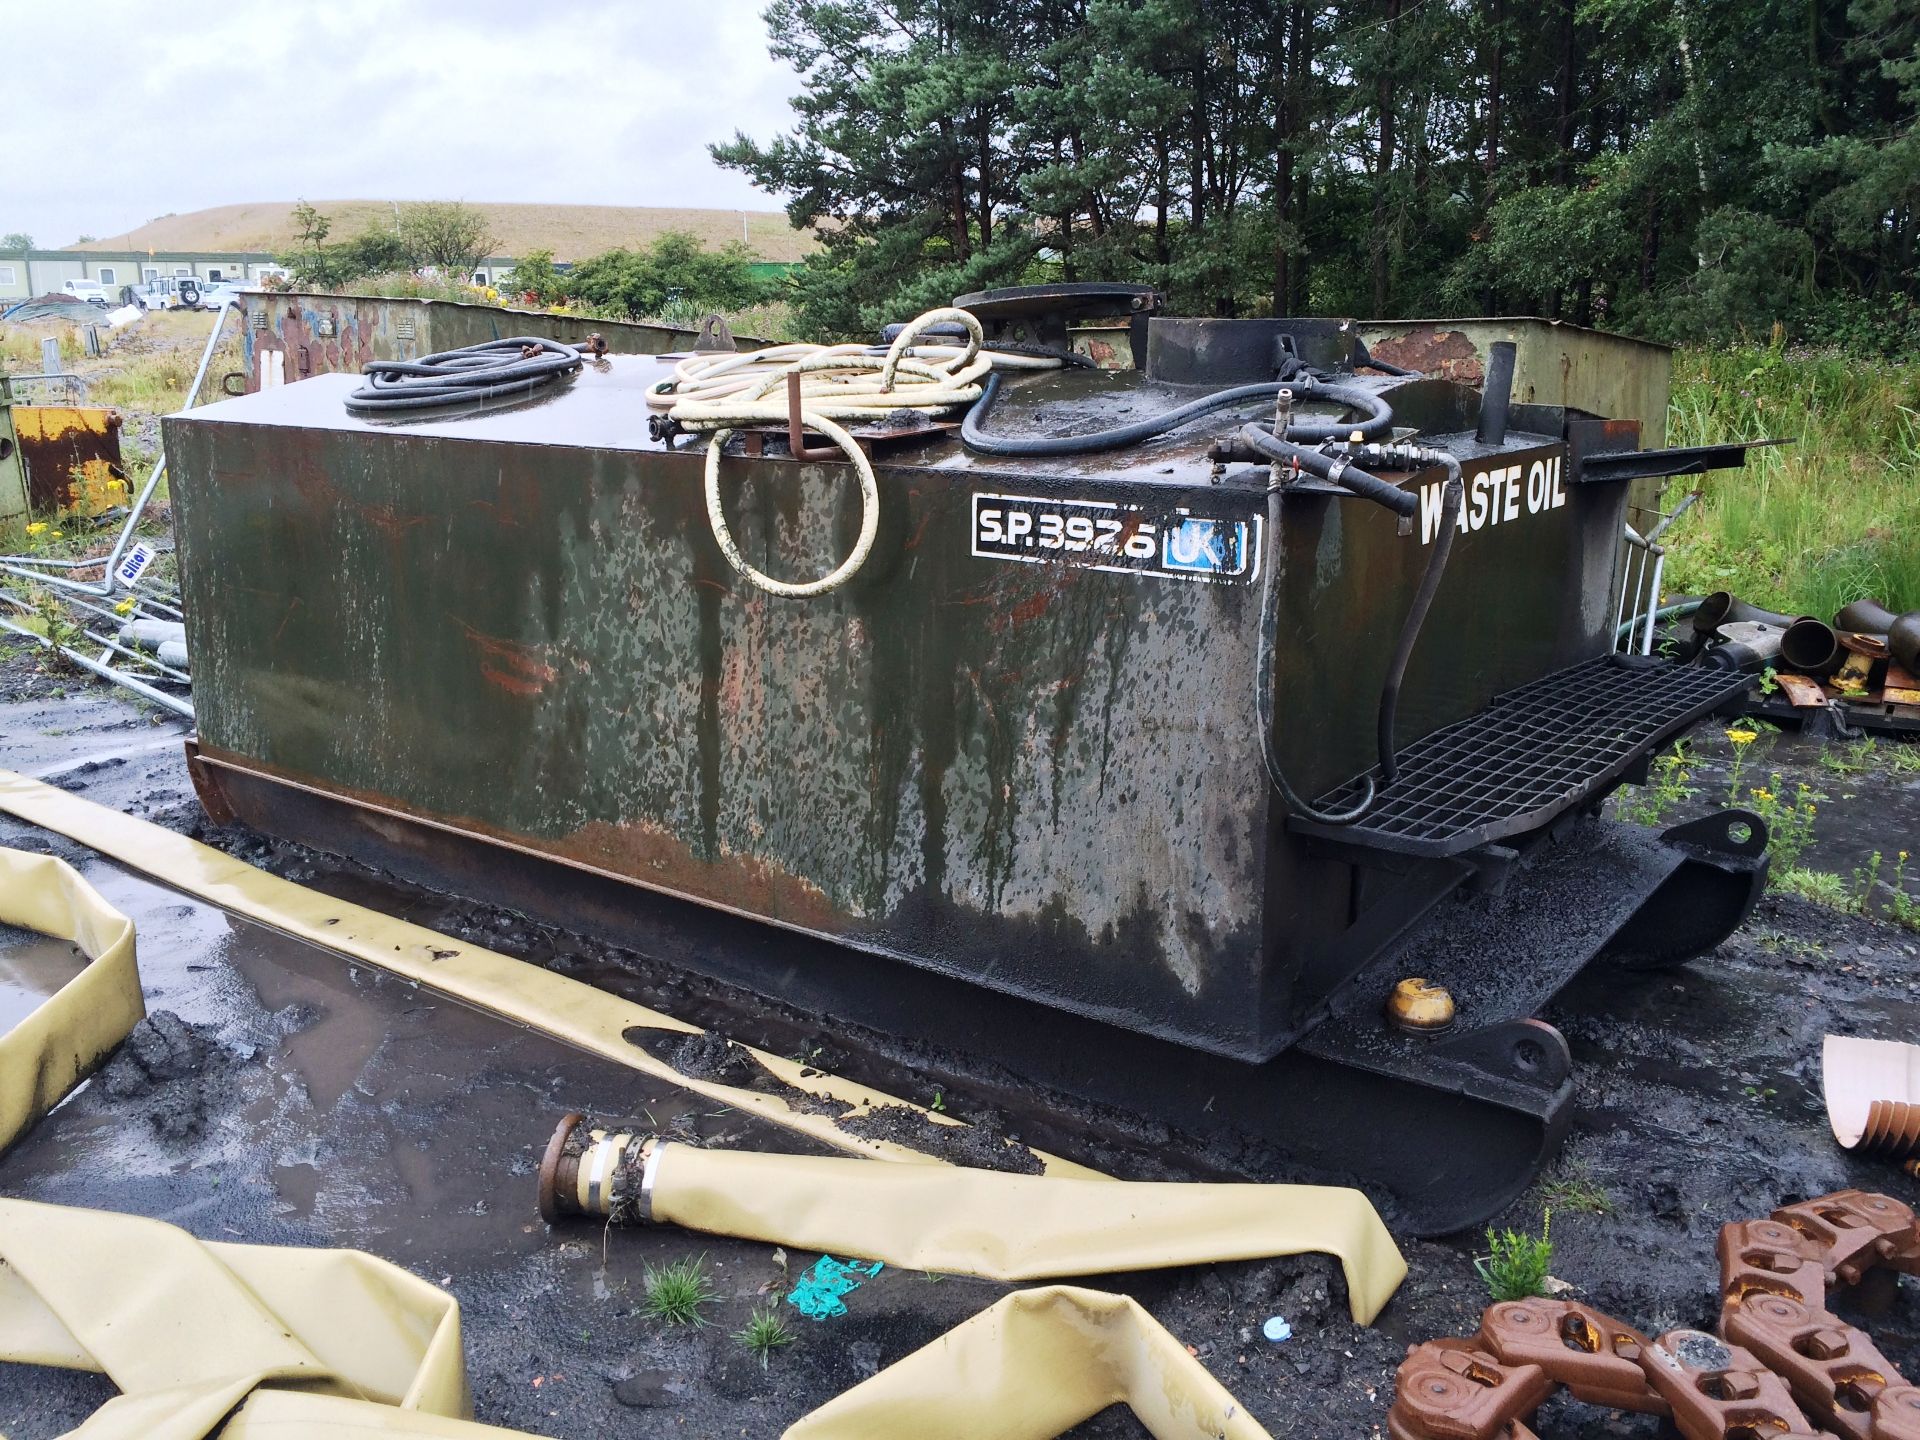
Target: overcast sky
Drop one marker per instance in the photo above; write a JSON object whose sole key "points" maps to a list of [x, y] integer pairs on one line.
{"points": [[135, 110]]}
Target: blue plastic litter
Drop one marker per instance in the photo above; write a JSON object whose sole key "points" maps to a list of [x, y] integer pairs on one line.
{"points": [[1277, 1329], [817, 1296]]}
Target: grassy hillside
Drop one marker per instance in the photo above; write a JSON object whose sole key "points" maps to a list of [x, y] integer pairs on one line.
{"points": [[572, 232], [1808, 527]]}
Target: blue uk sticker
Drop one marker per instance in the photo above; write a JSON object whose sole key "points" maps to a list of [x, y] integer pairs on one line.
{"points": [[1195, 545]]}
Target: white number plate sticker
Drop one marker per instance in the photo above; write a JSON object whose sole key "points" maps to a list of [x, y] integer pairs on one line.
{"points": [[1174, 542]]}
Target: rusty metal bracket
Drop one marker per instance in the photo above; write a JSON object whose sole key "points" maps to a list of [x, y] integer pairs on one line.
{"points": [[715, 334], [796, 432]]}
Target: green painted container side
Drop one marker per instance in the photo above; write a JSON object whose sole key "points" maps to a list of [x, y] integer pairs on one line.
{"points": [[1041, 777]]}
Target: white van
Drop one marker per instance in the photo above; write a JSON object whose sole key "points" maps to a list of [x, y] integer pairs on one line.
{"points": [[87, 290]]}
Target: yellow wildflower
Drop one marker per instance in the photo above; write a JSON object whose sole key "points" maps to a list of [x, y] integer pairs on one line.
{"points": [[54, 536], [125, 607], [1760, 792], [38, 527], [1743, 737]]}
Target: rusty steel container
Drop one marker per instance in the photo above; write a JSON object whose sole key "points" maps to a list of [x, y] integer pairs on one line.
{"points": [[502, 650]]}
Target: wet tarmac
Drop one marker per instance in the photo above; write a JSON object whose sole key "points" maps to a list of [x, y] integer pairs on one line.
{"points": [[315, 1102]]}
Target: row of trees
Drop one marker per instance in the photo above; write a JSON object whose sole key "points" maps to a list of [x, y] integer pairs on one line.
{"points": [[1685, 168], [674, 275], [443, 234]]}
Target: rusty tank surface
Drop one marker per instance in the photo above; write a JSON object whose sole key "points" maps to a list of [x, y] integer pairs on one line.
{"points": [[1031, 781], [58, 460], [290, 335]]}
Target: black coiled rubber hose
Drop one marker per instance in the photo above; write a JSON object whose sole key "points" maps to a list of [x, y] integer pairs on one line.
{"points": [[490, 371], [1396, 666], [1376, 419]]}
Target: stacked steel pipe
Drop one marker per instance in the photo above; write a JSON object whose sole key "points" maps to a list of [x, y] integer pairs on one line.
{"points": [[1813, 656]]}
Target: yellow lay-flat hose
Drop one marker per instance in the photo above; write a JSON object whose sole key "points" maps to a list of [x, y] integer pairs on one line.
{"points": [[1031, 1367], [188, 1330], [67, 1037], [265, 1342], [1014, 1228]]}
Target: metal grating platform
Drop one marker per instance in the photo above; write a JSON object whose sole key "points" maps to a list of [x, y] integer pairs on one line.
{"points": [[1532, 754]]}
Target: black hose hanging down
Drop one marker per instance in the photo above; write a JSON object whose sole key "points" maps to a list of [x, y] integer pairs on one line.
{"points": [[1376, 419], [498, 368], [1410, 627]]}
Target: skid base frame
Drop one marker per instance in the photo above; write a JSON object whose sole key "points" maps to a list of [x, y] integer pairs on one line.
{"points": [[1455, 1126]]}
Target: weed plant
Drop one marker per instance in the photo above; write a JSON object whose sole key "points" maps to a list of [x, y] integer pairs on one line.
{"points": [[1665, 791], [676, 1293], [1515, 1266], [1576, 1189], [766, 1331]]}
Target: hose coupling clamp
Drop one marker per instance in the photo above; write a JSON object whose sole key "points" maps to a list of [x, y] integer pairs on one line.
{"points": [[649, 1172]]}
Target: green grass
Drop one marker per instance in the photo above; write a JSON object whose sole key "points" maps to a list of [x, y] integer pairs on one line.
{"points": [[148, 385], [1516, 1265], [1575, 1189], [1810, 527], [1856, 758], [766, 1331], [1820, 886], [677, 1292]]}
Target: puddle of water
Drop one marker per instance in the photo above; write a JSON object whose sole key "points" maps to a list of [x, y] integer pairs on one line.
{"points": [[32, 967]]}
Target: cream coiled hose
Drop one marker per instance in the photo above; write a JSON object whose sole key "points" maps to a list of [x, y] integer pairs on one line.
{"points": [[720, 393]]}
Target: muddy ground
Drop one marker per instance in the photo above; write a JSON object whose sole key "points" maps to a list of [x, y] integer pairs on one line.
{"points": [[308, 1101]]}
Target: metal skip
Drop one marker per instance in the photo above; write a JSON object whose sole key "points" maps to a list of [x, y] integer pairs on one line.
{"points": [[964, 1221], [72, 455]]}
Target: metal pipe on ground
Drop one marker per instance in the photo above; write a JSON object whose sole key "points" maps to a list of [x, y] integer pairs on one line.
{"points": [[1749, 646], [104, 671], [1722, 606], [1870, 617], [1811, 647]]}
